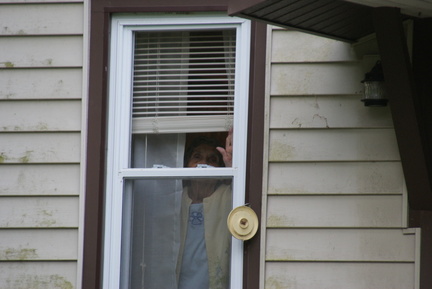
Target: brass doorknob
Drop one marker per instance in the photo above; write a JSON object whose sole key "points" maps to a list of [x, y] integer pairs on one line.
{"points": [[242, 223]]}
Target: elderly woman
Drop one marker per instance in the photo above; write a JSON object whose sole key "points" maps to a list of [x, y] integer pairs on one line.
{"points": [[205, 243]]}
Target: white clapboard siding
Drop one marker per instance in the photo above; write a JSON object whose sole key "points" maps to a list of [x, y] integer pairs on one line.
{"points": [[40, 147], [313, 275], [38, 244], [362, 245], [40, 115], [316, 78], [336, 178], [367, 211], [333, 111], [38, 275], [333, 145], [41, 86], [335, 193], [39, 212], [41, 51], [41, 19], [292, 46], [57, 83], [41, 180]]}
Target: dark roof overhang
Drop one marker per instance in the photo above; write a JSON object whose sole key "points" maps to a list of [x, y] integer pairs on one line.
{"points": [[337, 19]]}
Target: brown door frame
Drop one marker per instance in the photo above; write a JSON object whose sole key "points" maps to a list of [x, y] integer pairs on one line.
{"points": [[97, 126]]}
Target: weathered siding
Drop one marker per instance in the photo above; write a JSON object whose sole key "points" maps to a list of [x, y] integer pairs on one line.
{"points": [[335, 193], [41, 72], [47, 275], [338, 274]]}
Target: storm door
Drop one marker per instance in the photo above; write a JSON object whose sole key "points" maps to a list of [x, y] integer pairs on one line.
{"points": [[176, 150]]}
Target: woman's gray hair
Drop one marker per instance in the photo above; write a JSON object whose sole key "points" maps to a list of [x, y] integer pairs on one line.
{"points": [[200, 140]]}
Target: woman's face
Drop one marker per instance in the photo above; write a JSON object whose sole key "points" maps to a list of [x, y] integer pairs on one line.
{"points": [[204, 154]]}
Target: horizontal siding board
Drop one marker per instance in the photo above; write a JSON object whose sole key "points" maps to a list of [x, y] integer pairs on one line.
{"points": [[316, 79], [41, 51], [365, 211], [366, 47], [38, 275], [362, 245], [333, 145], [57, 83], [293, 46], [43, 180], [40, 148], [311, 275], [41, 19], [40, 115], [338, 111], [336, 178], [38, 244], [39, 212]]}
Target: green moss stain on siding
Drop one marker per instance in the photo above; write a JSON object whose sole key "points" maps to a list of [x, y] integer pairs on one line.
{"points": [[26, 158], [27, 281], [18, 254], [281, 152], [47, 218], [7, 64], [278, 283], [278, 221]]}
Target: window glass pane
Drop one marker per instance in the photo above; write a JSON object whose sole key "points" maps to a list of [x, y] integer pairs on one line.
{"points": [[170, 150], [183, 83], [175, 233], [158, 150]]}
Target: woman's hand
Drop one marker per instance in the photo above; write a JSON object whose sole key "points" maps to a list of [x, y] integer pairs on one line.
{"points": [[228, 150]]}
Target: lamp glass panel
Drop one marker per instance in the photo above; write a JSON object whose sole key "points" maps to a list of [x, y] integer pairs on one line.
{"points": [[374, 89]]}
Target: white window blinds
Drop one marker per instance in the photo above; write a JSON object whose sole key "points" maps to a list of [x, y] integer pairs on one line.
{"points": [[183, 81]]}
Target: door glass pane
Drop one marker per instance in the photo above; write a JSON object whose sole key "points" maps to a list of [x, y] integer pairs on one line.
{"points": [[175, 234]]}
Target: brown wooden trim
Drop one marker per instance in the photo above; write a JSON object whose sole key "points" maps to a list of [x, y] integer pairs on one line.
{"points": [[402, 97], [97, 110], [422, 64], [237, 6], [423, 219], [96, 142], [410, 103], [136, 6], [255, 150]]}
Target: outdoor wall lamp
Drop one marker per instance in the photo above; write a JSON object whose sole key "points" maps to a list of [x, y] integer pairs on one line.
{"points": [[374, 90]]}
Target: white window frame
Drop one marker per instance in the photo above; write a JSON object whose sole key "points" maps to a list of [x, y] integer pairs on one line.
{"points": [[119, 124]]}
